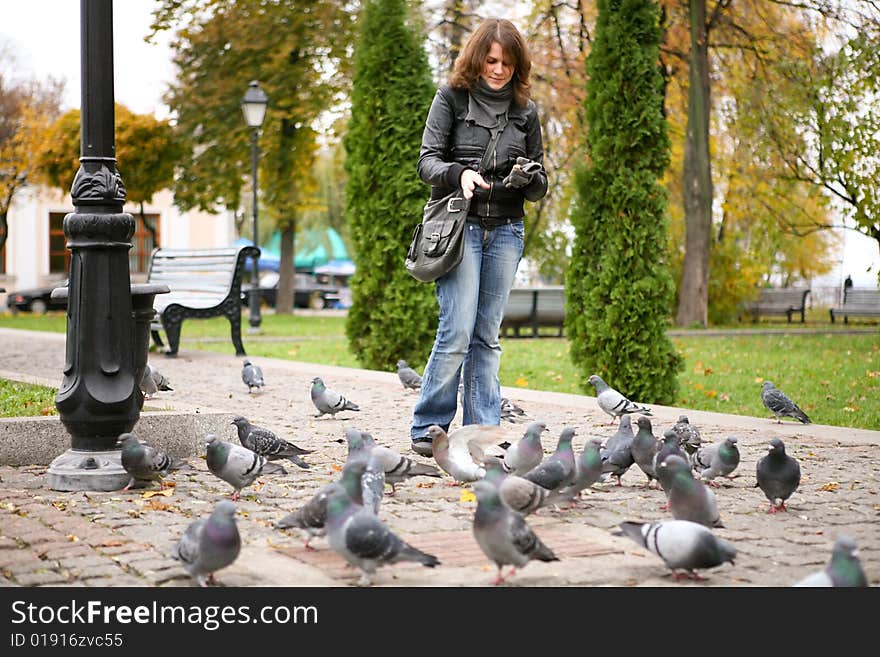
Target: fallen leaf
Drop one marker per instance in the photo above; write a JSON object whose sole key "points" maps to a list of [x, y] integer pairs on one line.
{"points": [[134, 513], [73, 538], [467, 496], [165, 492], [522, 382], [336, 468], [759, 379], [424, 485], [112, 543], [830, 487], [61, 506], [168, 484], [159, 505]]}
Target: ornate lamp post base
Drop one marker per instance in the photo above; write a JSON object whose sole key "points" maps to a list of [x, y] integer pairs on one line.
{"points": [[76, 470]]}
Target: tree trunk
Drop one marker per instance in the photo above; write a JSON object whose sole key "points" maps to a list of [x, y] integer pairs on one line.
{"points": [[693, 302], [4, 230], [284, 300]]}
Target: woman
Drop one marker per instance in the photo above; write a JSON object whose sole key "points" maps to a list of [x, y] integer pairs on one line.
{"points": [[488, 93]]}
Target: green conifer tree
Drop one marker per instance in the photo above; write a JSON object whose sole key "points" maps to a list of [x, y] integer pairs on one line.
{"points": [[392, 315], [618, 286]]}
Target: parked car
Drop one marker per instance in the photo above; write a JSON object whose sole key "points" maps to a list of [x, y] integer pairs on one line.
{"points": [[36, 300], [307, 293]]}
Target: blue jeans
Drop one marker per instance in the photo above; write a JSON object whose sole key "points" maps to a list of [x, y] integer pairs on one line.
{"points": [[472, 298]]}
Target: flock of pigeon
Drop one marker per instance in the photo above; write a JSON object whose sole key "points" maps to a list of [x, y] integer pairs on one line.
{"points": [[510, 479]]}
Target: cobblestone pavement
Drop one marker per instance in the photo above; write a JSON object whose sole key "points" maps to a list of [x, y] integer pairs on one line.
{"points": [[122, 539]]}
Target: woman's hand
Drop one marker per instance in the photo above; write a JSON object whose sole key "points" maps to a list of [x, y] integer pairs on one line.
{"points": [[469, 180]]}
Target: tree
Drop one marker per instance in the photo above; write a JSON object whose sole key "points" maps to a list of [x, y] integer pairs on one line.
{"points": [[392, 315], [146, 150], [618, 288], [26, 110], [298, 50]]}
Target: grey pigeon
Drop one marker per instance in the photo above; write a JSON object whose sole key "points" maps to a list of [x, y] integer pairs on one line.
{"points": [[683, 545], [265, 443], [778, 403], [510, 412], [644, 447], [688, 434], [778, 474], [153, 381], [587, 471], [503, 535], [689, 499], [527, 452], [613, 402], [311, 518], [396, 467], [669, 445], [410, 379], [209, 544], [454, 452], [520, 495], [144, 463], [329, 401], [716, 460], [237, 466], [843, 570], [252, 375], [558, 469], [617, 455], [359, 537]]}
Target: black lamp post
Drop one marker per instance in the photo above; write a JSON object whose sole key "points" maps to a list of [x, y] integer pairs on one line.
{"points": [[108, 319], [253, 105]]}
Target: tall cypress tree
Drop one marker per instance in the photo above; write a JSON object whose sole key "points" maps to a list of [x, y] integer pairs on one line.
{"points": [[619, 288], [392, 315]]}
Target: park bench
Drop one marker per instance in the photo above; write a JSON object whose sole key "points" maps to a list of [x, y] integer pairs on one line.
{"points": [[858, 302], [534, 307], [780, 301], [204, 283]]}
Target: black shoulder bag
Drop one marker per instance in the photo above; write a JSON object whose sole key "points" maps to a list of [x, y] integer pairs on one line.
{"points": [[438, 241]]}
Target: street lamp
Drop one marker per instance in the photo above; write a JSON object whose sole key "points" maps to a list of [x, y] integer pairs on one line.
{"points": [[253, 105]]}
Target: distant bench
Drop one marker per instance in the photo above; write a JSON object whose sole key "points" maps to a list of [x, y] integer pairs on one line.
{"points": [[204, 283], [858, 302], [534, 307], [780, 301]]}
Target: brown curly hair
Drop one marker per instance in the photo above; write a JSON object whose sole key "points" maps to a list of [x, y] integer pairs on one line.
{"points": [[469, 65]]}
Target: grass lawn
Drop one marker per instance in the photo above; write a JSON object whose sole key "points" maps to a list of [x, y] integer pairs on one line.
{"points": [[24, 399], [835, 378]]}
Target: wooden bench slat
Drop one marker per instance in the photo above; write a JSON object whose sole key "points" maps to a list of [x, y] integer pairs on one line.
{"points": [[858, 302], [780, 301]]}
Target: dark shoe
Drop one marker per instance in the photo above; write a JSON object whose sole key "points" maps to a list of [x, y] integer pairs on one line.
{"points": [[423, 446]]}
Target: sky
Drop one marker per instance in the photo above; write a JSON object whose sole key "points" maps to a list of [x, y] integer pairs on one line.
{"points": [[43, 36]]}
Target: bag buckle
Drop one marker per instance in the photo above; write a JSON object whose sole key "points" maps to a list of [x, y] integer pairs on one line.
{"points": [[455, 204]]}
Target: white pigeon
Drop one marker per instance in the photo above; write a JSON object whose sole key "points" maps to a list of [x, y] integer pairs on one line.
{"points": [[454, 452], [613, 402]]}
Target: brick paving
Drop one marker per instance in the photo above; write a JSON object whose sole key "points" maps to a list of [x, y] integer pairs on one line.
{"points": [[51, 538]]}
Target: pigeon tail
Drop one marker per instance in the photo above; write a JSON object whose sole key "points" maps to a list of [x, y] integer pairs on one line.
{"points": [[409, 553]]}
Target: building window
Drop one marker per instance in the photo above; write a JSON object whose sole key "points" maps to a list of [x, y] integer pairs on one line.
{"points": [[142, 243]]}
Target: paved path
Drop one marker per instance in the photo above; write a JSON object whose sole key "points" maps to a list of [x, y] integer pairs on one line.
{"points": [[55, 538]]}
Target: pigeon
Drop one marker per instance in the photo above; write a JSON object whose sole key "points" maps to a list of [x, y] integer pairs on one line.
{"points": [[329, 401], [683, 545], [454, 452], [614, 403], [359, 537], [237, 466], [311, 518], [688, 434], [587, 471], [265, 443], [209, 544], [688, 498], [512, 413], [410, 379], [558, 470], [503, 535], [520, 495], [153, 381], [617, 455], [669, 446], [844, 568], [644, 447], [252, 375], [779, 475], [527, 452], [395, 466], [719, 459], [778, 403], [144, 463]]}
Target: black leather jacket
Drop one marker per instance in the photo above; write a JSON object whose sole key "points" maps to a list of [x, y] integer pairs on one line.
{"points": [[450, 145]]}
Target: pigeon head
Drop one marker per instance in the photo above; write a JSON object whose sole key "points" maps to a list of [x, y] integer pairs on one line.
{"points": [[626, 421], [494, 469], [127, 440], [644, 423], [767, 385], [318, 383], [246, 362], [683, 419], [239, 420], [486, 492], [401, 364], [776, 446], [593, 443], [535, 429], [669, 436], [845, 546], [566, 436], [368, 439], [212, 442], [597, 382], [224, 509], [435, 433], [674, 464], [355, 439], [731, 440]]}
